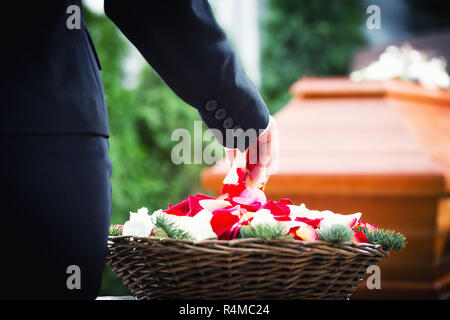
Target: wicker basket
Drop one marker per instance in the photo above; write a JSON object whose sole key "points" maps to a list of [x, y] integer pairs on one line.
{"points": [[154, 268]]}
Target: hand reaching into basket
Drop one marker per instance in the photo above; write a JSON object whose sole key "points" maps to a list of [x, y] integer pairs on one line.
{"points": [[261, 158]]}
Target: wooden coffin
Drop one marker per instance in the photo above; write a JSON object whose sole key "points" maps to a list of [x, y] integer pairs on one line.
{"points": [[380, 148]]}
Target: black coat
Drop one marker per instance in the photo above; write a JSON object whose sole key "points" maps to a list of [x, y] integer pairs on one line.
{"points": [[50, 74]]}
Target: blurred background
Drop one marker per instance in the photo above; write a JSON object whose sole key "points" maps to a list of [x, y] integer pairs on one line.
{"points": [[278, 42]]}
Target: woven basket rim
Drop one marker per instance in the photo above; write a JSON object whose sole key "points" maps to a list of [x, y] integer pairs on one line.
{"points": [[165, 268], [242, 241]]}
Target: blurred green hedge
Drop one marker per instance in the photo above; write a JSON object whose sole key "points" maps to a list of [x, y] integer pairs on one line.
{"points": [[303, 37]]}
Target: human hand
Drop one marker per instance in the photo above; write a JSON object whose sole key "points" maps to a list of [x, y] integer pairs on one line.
{"points": [[261, 156]]}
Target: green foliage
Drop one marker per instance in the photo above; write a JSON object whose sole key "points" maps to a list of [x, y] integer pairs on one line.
{"points": [[264, 231], [335, 233], [115, 231], [303, 37], [389, 239], [164, 228]]}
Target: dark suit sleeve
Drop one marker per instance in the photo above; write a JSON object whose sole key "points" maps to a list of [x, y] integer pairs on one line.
{"points": [[181, 40]]}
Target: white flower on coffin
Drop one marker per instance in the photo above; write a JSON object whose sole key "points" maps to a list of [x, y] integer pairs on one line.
{"points": [[409, 64], [213, 204], [263, 216], [431, 74], [139, 225]]}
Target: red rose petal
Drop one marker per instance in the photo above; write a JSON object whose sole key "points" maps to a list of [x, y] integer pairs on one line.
{"points": [[312, 222], [293, 231], [282, 218], [359, 237], [277, 208], [180, 209], [286, 201], [202, 196], [222, 224], [190, 206], [242, 175], [194, 206], [233, 190]]}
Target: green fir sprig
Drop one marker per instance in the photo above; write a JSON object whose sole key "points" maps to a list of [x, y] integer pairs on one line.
{"points": [[115, 231], [336, 233], [264, 231], [389, 239], [164, 228]]}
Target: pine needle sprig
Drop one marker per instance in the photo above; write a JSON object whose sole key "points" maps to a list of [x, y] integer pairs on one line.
{"points": [[264, 231], [164, 228], [389, 239], [114, 231], [336, 233]]}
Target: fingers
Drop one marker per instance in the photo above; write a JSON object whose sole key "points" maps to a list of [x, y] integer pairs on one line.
{"points": [[261, 159], [264, 154], [231, 155]]}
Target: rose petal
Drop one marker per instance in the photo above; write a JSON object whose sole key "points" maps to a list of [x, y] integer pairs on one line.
{"points": [[312, 222], [293, 231], [331, 218], [307, 233], [190, 206], [263, 217], [233, 190], [277, 208], [286, 201], [180, 209], [214, 204], [194, 206], [282, 218], [251, 199], [233, 210], [370, 227], [222, 224], [359, 237]]}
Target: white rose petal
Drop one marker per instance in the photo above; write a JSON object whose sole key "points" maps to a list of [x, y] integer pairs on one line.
{"points": [[139, 225], [298, 211], [263, 216], [200, 226], [214, 204], [336, 218]]}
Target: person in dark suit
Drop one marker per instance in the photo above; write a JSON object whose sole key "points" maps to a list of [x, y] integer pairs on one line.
{"points": [[55, 171]]}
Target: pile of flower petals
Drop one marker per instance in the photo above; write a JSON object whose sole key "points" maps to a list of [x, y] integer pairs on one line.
{"points": [[206, 217]]}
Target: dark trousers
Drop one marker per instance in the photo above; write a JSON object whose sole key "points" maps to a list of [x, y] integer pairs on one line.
{"points": [[55, 208]]}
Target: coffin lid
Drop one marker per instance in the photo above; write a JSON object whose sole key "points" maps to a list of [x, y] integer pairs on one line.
{"points": [[341, 137]]}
